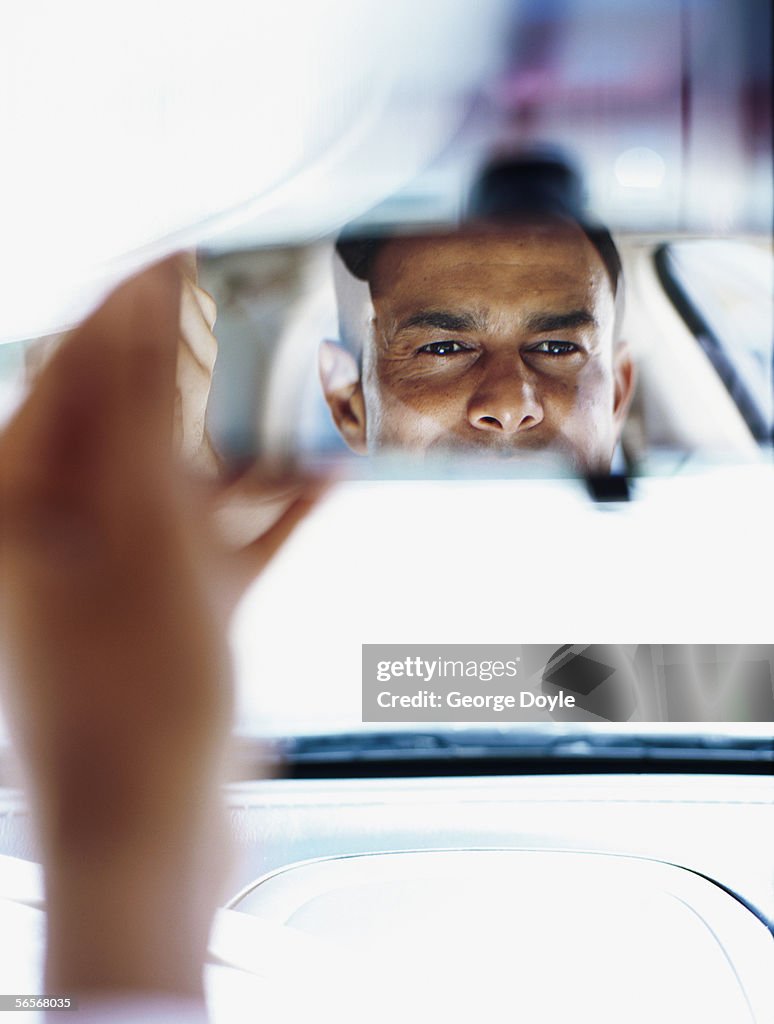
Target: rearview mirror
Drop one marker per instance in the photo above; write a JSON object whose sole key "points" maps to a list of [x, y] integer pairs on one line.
{"points": [[533, 346]]}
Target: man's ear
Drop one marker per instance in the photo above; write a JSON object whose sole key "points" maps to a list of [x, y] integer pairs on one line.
{"points": [[624, 377], [343, 390]]}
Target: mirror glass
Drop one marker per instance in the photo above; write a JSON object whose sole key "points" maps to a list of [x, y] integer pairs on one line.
{"points": [[525, 345]]}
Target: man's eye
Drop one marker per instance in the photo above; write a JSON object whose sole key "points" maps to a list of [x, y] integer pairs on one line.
{"points": [[556, 348], [443, 348]]}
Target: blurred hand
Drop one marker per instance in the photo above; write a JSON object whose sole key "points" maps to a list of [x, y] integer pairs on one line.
{"points": [[116, 592], [245, 508]]}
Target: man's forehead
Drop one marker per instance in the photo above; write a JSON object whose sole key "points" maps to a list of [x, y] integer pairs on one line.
{"points": [[541, 255], [483, 319], [492, 279]]}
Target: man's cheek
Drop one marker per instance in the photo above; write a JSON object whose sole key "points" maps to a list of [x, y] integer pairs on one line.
{"points": [[586, 398], [417, 420], [579, 426]]}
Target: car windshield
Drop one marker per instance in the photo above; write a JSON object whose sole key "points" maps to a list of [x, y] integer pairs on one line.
{"points": [[304, 704]]}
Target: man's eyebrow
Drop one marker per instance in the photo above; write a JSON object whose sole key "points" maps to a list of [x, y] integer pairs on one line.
{"points": [[442, 320], [540, 323]]}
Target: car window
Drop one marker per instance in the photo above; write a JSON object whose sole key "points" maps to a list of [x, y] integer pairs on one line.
{"points": [[723, 290]]}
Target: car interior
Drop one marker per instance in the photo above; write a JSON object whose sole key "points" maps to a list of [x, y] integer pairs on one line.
{"points": [[615, 872]]}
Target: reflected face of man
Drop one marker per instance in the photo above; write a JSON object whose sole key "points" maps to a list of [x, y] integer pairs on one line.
{"points": [[495, 342]]}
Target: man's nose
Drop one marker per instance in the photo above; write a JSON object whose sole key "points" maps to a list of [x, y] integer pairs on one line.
{"points": [[506, 401]]}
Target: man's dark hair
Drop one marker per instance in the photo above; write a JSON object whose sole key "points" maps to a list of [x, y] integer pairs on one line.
{"points": [[507, 191]]}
